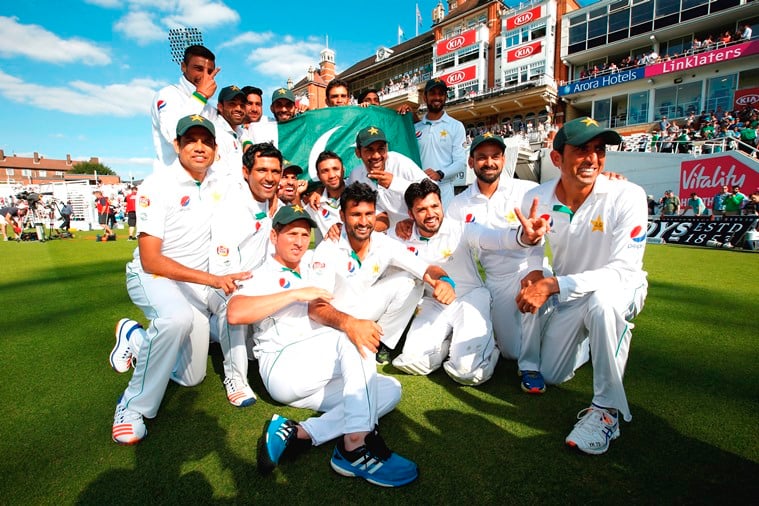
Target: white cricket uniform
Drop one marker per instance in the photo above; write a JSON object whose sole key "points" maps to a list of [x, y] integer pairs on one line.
{"points": [[442, 147], [264, 130], [306, 365], [385, 287], [390, 200], [171, 104], [505, 269], [598, 261], [327, 215], [229, 151], [471, 350], [239, 243], [176, 209]]}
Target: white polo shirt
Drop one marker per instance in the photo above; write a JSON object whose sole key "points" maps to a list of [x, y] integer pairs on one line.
{"points": [[171, 104], [264, 130], [602, 243], [471, 206], [229, 151], [328, 213], [390, 200], [240, 234], [338, 270], [175, 208], [289, 324]]}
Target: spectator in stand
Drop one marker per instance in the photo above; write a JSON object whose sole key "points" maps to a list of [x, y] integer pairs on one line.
{"points": [[652, 205], [696, 205], [752, 205], [695, 46], [748, 139], [664, 125], [708, 43], [746, 33], [734, 202], [726, 38], [670, 204], [718, 202]]}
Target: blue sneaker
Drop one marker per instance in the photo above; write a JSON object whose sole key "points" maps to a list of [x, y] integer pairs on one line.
{"points": [[277, 434], [532, 382], [374, 462]]}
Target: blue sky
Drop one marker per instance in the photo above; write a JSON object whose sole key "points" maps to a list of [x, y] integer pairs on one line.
{"points": [[79, 79]]}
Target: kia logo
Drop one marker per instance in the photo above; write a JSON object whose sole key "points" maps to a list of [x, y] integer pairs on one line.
{"points": [[455, 43], [523, 18], [456, 77], [524, 51], [747, 100]]}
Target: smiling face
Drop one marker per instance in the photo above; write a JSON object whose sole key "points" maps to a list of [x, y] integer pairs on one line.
{"points": [[487, 162], [581, 165], [358, 219], [196, 150], [263, 177], [427, 213], [373, 155], [234, 111], [435, 99], [331, 173], [283, 109], [254, 108], [288, 186]]}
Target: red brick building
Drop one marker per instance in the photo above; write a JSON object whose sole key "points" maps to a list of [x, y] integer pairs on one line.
{"points": [[40, 170]]}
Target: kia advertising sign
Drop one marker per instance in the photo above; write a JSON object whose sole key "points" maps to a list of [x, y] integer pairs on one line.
{"points": [[706, 176], [746, 98], [524, 18], [460, 41], [460, 76], [526, 51]]}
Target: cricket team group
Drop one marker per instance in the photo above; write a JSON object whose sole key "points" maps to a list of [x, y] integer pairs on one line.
{"points": [[224, 235]]}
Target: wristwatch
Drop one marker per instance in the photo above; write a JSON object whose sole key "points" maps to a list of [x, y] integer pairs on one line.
{"points": [[441, 174]]}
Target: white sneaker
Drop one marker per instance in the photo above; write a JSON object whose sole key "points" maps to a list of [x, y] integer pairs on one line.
{"points": [[128, 426], [121, 355], [239, 394], [594, 431]]}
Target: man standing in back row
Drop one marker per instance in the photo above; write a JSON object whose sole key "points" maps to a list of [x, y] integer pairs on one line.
{"points": [[597, 237]]}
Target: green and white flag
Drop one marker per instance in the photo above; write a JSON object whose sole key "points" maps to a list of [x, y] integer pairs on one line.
{"points": [[334, 128]]}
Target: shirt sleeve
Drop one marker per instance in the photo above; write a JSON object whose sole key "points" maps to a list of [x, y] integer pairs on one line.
{"points": [[170, 105], [459, 154], [151, 209]]}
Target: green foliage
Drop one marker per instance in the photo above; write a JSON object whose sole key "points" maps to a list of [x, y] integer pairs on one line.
{"points": [[692, 381], [91, 168]]}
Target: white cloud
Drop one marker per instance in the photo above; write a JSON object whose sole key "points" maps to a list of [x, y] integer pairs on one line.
{"points": [[33, 41], [248, 38], [285, 60], [201, 14], [110, 4], [140, 27], [81, 98]]}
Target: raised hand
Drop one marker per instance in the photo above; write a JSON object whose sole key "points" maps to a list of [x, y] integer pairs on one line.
{"points": [[533, 227]]}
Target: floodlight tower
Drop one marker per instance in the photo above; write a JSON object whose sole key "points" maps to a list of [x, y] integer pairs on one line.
{"points": [[180, 39]]}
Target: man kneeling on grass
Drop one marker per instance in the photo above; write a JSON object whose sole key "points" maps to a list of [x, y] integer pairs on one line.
{"points": [[306, 365]]}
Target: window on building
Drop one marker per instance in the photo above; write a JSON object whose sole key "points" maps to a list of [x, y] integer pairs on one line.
{"points": [[677, 101], [637, 108], [602, 111], [9, 172], [665, 7], [719, 93], [58, 173], [642, 13], [42, 173], [26, 172]]}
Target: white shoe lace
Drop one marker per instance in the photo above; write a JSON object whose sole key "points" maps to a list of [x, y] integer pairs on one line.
{"points": [[593, 420]]}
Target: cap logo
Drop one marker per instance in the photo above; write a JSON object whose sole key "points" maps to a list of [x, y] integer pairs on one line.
{"points": [[234, 88], [197, 117], [590, 121], [373, 131], [487, 135], [297, 209], [282, 91]]}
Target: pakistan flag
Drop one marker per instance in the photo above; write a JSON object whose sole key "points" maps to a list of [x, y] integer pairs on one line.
{"points": [[334, 128]]}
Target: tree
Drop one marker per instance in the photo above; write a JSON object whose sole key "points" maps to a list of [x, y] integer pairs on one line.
{"points": [[91, 167]]}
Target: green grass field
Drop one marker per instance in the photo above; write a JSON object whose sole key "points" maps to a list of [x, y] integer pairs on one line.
{"points": [[692, 382]]}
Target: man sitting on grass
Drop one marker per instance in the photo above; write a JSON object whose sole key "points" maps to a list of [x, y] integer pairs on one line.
{"points": [[310, 366], [597, 236]]}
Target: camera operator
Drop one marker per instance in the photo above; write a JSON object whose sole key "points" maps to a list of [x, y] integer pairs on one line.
{"points": [[13, 215]]}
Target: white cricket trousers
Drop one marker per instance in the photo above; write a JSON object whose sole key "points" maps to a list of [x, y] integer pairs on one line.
{"points": [[324, 372], [506, 317], [232, 338], [466, 321], [603, 318], [390, 302], [175, 344]]}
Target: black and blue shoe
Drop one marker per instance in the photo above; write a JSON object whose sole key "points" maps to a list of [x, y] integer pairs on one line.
{"points": [[374, 462], [278, 433]]}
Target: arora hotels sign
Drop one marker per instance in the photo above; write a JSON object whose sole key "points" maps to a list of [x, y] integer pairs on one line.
{"points": [[684, 63]]}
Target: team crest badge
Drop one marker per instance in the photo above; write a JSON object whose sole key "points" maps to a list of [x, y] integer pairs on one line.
{"points": [[222, 251]]}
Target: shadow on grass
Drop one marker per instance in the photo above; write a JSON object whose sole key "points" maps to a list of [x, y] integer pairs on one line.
{"points": [[165, 469]]}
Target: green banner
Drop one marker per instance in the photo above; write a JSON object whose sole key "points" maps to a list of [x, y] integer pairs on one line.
{"points": [[334, 128]]}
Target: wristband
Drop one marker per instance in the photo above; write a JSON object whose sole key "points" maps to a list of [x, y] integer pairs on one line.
{"points": [[441, 174], [448, 280], [200, 97]]}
